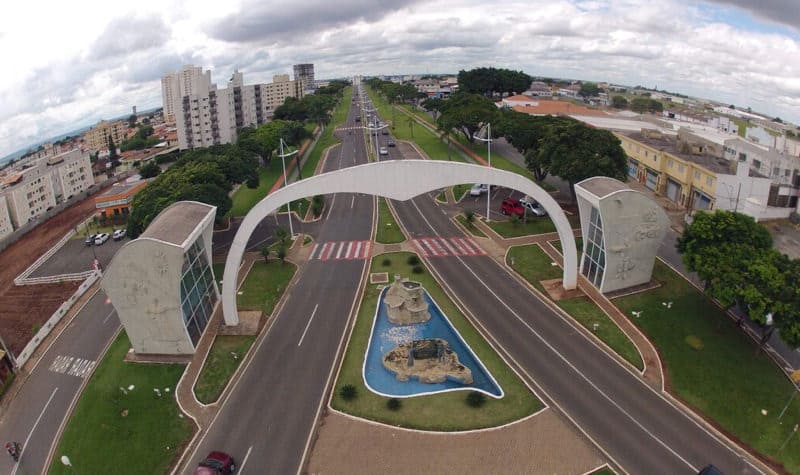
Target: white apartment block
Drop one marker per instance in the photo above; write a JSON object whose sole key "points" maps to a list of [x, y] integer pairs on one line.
{"points": [[186, 82], [96, 138], [6, 227], [30, 192], [212, 116]]}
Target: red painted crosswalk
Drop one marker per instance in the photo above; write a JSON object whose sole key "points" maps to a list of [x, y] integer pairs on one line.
{"points": [[341, 250], [441, 247]]}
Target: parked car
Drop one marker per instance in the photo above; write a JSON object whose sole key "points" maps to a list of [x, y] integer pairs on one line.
{"points": [[384, 151], [119, 234], [390, 143], [358, 119], [532, 206], [710, 470], [384, 132], [478, 189], [511, 207], [90, 240], [217, 463], [100, 239]]}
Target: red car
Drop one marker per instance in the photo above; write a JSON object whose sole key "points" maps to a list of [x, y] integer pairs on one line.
{"points": [[511, 207], [217, 463]]}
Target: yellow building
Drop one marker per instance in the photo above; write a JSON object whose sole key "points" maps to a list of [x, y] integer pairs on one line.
{"points": [[680, 170], [97, 137]]}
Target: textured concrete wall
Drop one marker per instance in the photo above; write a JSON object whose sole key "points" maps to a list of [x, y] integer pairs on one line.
{"points": [[633, 228], [397, 180], [143, 282]]}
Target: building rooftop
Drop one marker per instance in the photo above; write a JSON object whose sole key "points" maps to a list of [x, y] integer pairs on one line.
{"points": [[602, 186], [615, 123], [669, 144], [177, 221], [120, 188], [548, 107]]}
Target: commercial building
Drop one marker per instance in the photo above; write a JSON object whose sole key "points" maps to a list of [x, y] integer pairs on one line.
{"points": [[116, 201], [304, 74], [96, 138], [162, 284], [206, 116], [622, 230]]}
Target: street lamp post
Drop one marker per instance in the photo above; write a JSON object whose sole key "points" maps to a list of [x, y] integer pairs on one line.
{"points": [[376, 129], [488, 141], [285, 178]]}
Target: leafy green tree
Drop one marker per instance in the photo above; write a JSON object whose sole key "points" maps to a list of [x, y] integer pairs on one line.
{"points": [[264, 250], [575, 151], [149, 170], [433, 105], [527, 133], [491, 81], [291, 109], [619, 102], [645, 104], [713, 238], [589, 89], [467, 113]]}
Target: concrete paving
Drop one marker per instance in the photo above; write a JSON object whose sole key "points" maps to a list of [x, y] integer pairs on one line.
{"points": [[75, 256]]}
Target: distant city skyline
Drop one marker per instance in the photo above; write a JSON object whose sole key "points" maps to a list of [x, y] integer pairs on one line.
{"points": [[106, 58]]}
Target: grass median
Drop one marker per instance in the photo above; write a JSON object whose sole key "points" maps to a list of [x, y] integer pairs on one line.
{"points": [[445, 411], [713, 366], [327, 138], [512, 227], [470, 226], [534, 265], [120, 423], [388, 231]]}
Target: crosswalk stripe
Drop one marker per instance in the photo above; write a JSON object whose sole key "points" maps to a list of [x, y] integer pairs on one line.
{"points": [[358, 249], [448, 246], [457, 244], [314, 250], [431, 250], [347, 254], [339, 250], [468, 245]]}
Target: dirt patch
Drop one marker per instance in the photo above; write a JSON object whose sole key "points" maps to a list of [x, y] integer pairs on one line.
{"points": [[24, 309]]}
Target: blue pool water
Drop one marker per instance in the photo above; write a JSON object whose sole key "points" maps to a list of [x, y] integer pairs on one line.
{"points": [[386, 336]]}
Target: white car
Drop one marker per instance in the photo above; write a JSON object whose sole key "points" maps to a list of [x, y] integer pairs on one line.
{"points": [[384, 151], [478, 189], [100, 239], [119, 234], [532, 206]]}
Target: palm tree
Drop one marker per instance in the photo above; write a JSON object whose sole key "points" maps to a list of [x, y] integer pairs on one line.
{"points": [[410, 121]]}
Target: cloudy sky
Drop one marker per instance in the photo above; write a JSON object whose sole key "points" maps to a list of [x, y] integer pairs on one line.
{"points": [[69, 64]]}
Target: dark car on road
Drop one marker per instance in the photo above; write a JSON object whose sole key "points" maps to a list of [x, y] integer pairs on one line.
{"points": [[710, 470], [390, 143], [217, 463], [511, 207], [90, 240]]}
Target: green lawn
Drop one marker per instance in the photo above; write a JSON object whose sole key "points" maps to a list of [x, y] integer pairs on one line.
{"points": [[300, 207], [110, 430], [534, 266], [388, 231], [578, 245], [264, 285], [460, 190], [224, 357], [245, 198], [447, 411], [470, 226], [510, 228], [428, 141], [604, 471], [725, 380]]}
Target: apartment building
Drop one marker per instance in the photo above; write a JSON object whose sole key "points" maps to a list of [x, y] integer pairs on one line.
{"points": [[31, 191], [186, 82], [304, 74], [6, 227], [211, 116], [96, 138]]}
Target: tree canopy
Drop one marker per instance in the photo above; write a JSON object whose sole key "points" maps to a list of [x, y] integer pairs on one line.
{"points": [[466, 113], [733, 255], [589, 89], [491, 81], [645, 104], [619, 102]]}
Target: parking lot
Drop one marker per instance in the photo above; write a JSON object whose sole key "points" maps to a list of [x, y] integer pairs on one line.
{"points": [[75, 256]]}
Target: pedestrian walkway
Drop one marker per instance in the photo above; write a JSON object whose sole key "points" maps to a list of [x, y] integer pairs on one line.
{"points": [[442, 247], [341, 250]]}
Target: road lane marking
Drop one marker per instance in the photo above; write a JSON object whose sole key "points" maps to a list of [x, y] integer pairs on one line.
{"points": [[244, 460], [558, 354], [105, 320], [72, 366], [352, 201], [28, 439], [308, 324], [314, 250]]}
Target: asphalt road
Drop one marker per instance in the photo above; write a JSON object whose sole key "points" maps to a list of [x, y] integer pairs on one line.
{"points": [[266, 421], [637, 427], [75, 256], [34, 416]]}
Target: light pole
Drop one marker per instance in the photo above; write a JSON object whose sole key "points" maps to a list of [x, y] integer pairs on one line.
{"points": [[285, 178], [376, 129], [488, 141]]}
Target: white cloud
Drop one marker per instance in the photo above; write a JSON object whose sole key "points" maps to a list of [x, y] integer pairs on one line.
{"points": [[97, 60]]}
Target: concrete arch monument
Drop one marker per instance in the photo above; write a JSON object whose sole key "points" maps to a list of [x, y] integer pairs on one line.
{"points": [[397, 180]]}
